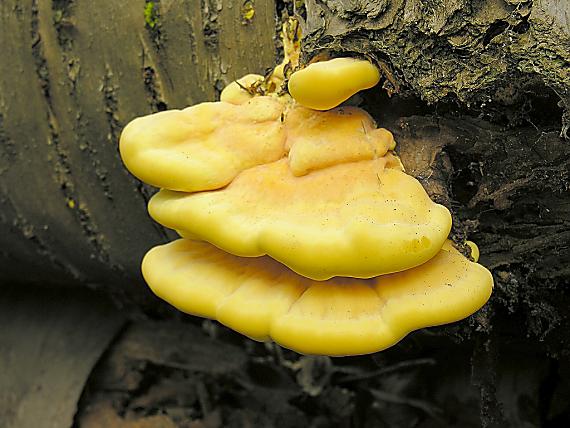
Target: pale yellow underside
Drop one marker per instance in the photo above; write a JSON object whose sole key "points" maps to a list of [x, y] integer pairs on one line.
{"points": [[204, 146], [354, 219], [262, 299], [324, 85]]}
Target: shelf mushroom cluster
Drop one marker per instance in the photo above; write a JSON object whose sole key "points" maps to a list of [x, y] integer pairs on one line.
{"points": [[298, 222]]}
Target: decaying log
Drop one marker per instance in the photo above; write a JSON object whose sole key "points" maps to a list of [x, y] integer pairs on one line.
{"points": [[480, 95]]}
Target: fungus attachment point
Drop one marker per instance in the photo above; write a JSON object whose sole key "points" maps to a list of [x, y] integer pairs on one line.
{"points": [[324, 85], [343, 316]]}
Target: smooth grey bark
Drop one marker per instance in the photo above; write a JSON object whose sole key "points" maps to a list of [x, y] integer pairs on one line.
{"points": [[73, 73]]}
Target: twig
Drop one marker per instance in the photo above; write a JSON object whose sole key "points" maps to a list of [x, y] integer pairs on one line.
{"points": [[426, 407], [385, 370]]}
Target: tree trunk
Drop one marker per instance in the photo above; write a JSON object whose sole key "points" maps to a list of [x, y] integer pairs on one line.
{"points": [[477, 93]]}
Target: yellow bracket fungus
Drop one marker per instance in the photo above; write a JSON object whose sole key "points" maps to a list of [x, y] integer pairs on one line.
{"points": [[291, 38], [356, 219], [324, 85], [262, 299], [316, 237], [204, 146], [448, 245], [474, 250]]}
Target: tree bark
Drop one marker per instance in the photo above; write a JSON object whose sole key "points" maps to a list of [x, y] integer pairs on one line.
{"points": [[479, 100], [487, 54], [73, 74]]}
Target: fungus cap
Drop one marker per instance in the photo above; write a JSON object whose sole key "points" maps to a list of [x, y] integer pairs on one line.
{"points": [[237, 91], [357, 219], [262, 299], [205, 146], [473, 248], [324, 85]]}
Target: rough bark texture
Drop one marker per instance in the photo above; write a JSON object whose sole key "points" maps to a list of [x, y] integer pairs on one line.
{"points": [[480, 88], [485, 53]]}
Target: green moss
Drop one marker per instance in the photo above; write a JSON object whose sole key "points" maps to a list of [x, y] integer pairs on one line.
{"points": [[151, 14]]}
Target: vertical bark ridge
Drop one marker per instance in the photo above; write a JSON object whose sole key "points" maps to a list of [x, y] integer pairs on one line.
{"points": [[7, 147], [153, 81], [48, 41]]}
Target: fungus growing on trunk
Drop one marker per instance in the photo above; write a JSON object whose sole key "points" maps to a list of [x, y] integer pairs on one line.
{"points": [[299, 225], [205, 146], [317, 140], [240, 91]]}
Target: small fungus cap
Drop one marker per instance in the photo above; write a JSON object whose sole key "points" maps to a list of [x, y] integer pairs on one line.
{"points": [[262, 299], [324, 85], [238, 91], [205, 146], [357, 219], [474, 250]]}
